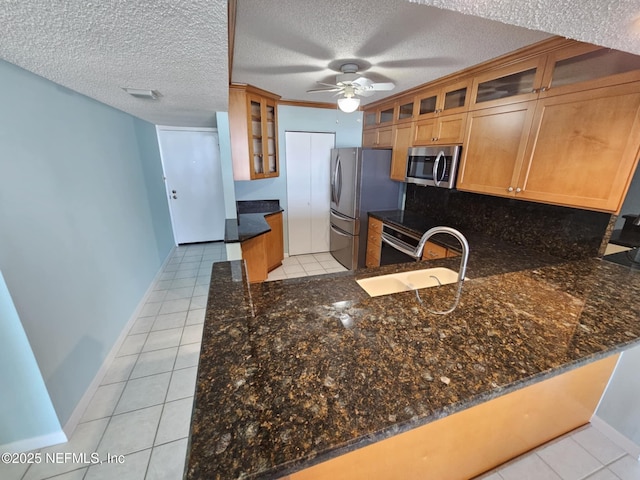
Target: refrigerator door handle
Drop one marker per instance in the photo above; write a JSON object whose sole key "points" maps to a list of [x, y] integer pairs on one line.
{"points": [[340, 232], [338, 177], [341, 216]]}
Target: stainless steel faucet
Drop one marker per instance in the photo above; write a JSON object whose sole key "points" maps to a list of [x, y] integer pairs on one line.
{"points": [[417, 254]]}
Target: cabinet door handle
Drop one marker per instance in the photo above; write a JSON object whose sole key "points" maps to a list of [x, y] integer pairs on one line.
{"points": [[518, 190], [510, 189]]}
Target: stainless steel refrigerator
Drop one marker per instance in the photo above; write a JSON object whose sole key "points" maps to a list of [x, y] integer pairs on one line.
{"points": [[360, 183]]}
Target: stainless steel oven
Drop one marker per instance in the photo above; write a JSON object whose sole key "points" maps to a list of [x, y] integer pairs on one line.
{"points": [[435, 166], [396, 245]]}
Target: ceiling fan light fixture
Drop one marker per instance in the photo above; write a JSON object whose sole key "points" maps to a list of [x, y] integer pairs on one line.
{"points": [[348, 104]]}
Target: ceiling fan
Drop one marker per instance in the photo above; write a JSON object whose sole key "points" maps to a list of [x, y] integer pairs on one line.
{"points": [[349, 84]]}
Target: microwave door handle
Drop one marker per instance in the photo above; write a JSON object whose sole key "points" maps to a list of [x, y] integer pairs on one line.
{"points": [[444, 170], [435, 168]]}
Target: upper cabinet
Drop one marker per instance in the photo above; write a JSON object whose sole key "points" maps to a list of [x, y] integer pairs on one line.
{"points": [[445, 100], [515, 83], [557, 122], [253, 127]]}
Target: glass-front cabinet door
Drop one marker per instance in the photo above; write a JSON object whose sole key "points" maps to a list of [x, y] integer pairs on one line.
{"points": [[263, 143], [255, 112], [588, 66], [271, 166], [516, 83], [405, 109]]}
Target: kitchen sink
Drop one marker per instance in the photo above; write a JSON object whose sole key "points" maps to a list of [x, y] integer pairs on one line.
{"points": [[404, 281]]}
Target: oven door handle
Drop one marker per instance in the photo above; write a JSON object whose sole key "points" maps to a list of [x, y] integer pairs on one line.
{"points": [[398, 245]]}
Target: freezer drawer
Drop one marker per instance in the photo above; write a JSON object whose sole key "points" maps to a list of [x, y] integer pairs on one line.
{"points": [[344, 248], [346, 224]]}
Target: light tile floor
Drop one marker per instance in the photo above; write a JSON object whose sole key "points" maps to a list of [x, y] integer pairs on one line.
{"points": [[582, 454], [142, 409], [306, 265]]}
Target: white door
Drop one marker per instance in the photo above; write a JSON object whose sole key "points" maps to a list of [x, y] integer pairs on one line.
{"points": [[193, 177], [308, 157]]}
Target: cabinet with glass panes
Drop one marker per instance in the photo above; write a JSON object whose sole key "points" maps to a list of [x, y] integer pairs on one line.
{"points": [[253, 128]]}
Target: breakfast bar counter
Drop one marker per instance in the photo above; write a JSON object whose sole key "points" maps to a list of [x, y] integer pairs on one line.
{"points": [[296, 372]]}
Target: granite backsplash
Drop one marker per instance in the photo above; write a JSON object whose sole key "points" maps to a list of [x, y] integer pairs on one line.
{"points": [[569, 233]]}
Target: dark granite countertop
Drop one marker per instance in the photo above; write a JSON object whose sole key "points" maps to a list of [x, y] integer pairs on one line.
{"points": [[250, 222], [298, 371]]}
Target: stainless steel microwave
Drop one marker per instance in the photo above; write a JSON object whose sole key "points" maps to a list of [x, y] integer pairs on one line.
{"points": [[435, 166]]}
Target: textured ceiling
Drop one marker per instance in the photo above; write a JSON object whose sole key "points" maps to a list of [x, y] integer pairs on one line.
{"points": [[287, 46], [180, 47], [610, 23], [96, 47]]}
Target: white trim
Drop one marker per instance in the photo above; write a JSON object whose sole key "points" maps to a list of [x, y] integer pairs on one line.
{"points": [[82, 405], [35, 443], [234, 251], [616, 437]]}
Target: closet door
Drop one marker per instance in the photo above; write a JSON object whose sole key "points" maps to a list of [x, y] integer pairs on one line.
{"points": [[308, 191]]}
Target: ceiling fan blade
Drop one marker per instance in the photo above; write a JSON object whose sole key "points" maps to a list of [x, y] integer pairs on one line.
{"points": [[363, 82], [383, 86], [363, 93], [317, 90], [328, 84]]}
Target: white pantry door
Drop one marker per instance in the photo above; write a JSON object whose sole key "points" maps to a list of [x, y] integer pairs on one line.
{"points": [[193, 177], [308, 157]]}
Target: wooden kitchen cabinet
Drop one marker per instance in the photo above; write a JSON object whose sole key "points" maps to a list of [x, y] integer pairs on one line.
{"points": [[253, 128], [583, 148], [264, 252], [445, 130], [581, 66], [519, 82], [494, 148], [402, 140], [254, 254], [444, 100], [374, 243], [274, 241], [578, 150], [381, 137]]}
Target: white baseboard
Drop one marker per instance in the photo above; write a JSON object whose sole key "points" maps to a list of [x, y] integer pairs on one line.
{"points": [[616, 437], [78, 412], [34, 443]]}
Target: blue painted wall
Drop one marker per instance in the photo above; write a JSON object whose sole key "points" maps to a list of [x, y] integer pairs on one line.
{"points": [[346, 126], [27, 411], [226, 164], [85, 225]]}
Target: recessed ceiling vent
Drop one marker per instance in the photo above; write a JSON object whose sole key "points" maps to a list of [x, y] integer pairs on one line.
{"points": [[140, 93]]}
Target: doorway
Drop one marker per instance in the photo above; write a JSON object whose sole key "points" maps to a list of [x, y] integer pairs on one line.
{"points": [[308, 156], [193, 178]]}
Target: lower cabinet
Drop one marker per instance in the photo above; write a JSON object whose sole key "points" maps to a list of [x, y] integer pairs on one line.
{"points": [[264, 252], [274, 241], [473, 441], [374, 243]]}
